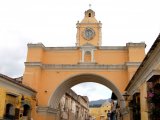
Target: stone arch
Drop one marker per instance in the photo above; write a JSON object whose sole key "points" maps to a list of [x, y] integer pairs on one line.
{"points": [[74, 80]]}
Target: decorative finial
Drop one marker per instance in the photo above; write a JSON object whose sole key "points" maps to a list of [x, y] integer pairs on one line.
{"points": [[90, 6]]}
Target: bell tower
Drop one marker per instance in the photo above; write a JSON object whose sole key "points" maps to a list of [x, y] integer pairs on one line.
{"points": [[89, 30]]}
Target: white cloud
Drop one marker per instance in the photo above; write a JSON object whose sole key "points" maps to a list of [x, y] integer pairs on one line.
{"points": [[94, 91]]}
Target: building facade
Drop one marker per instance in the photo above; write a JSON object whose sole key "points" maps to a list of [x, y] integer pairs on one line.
{"points": [[144, 88], [73, 107], [102, 112], [17, 101], [51, 71]]}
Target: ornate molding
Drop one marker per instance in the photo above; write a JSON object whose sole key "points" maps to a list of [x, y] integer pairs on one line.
{"points": [[84, 66], [31, 45], [133, 64], [46, 110], [18, 89], [152, 73], [76, 66], [142, 44], [35, 64], [40, 45], [112, 48], [61, 48]]}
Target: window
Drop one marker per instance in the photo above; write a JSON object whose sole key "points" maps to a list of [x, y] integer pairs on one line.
{"points": [[87, 57], [26, 110], [9, 111]]}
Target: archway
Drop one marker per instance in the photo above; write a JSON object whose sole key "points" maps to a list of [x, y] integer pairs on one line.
{"points": [[68, 83], [26, 112], [9, 114]]}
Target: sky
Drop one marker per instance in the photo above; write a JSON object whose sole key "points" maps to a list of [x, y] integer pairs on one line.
{"points": [[53, 23]]}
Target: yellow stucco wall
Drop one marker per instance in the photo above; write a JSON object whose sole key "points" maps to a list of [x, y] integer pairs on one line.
{"points": [[2, 102], [50, 79], [100, 111], [6, 98], [39, 54]]}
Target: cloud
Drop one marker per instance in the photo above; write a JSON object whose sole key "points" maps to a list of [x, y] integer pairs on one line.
{"points": [[12, 52], [94, 91]]}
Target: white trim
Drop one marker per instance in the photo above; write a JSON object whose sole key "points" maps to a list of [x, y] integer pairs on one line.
{"points": [[15, 88], [89, 66], [46, 109]]}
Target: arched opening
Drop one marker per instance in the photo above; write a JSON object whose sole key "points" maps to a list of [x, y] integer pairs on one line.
{"points": [[87, 57], [68, 83], [99, 97], [26, 112], [92, 90], [10, 112], [89, 15]]}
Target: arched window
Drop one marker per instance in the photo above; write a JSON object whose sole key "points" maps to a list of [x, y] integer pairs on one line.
{"points": [[10, 112], [9, 109], [26, 111], [89, 15], [87, 57]]}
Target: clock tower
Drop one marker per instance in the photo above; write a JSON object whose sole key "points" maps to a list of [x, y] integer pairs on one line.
{"points": [[89, 30]]}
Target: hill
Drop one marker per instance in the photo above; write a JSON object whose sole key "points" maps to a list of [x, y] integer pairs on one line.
{"points": [[98, 103]]}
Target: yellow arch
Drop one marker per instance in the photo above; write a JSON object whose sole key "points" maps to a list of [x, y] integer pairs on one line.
{"points": [[80, 78]]}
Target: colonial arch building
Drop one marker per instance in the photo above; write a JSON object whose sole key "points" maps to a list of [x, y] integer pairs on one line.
{"points": [[51, 71]]}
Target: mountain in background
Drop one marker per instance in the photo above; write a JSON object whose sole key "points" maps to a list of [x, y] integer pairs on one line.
{"points": [[98, 103]]}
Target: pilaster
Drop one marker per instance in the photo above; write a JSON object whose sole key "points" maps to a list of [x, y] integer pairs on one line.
{"points": [[143, 101]]}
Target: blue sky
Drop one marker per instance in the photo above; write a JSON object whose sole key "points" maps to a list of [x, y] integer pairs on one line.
{"points": [[53, 22]]}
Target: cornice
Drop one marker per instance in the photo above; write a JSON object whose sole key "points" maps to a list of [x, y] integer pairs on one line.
{"points": [[152, 73], [18, 89], [142, 44], [46, 110], [112, 48], [99, 23], [13, 82], [77, 66], [40, 45], [133, 64], [61, 48], [33, 64]]}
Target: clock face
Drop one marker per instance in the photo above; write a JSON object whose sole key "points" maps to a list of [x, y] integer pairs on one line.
{"points": [[88, 33]]}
